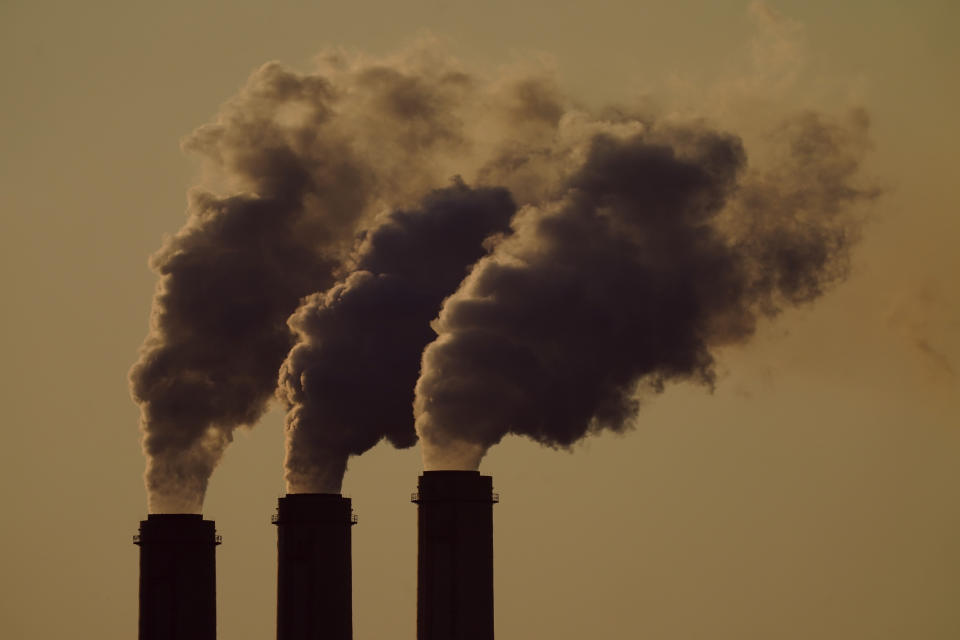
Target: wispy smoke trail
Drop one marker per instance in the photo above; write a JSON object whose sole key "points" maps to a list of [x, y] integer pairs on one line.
{"points": [[349, 381], [662, 247]]}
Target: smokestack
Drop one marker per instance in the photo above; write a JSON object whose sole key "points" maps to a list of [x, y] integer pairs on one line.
{"points": [[314, 584], [178, 587], [455, 556]]}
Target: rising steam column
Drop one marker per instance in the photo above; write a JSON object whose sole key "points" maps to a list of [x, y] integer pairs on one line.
{"points": [[455, 556], [314, 582], [178, 577]]}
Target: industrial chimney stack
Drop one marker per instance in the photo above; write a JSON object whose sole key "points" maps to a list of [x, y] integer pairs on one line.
{"points": [[178, 577], [314, 584], [455, 556]]}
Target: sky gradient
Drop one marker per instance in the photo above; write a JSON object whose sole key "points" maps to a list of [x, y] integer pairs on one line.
{"points": [[813, 494]]}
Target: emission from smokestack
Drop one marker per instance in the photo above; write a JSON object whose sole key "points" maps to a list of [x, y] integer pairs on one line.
{"points": [[314, 583], [455, 556], [598, 254], [178, 585]]}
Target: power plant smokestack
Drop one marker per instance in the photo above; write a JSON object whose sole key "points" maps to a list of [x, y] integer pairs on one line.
{"points": [[178, 587], [455, 556], [314, 583]]}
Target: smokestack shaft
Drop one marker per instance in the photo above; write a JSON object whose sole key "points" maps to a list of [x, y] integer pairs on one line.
{"points": [[455, 556], [178, 584], [314, 583]]}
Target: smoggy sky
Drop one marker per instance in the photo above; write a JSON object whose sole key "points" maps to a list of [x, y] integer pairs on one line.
{"points": [[812, 494]]}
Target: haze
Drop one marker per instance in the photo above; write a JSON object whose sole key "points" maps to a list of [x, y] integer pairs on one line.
{"points": [[813, 494]]}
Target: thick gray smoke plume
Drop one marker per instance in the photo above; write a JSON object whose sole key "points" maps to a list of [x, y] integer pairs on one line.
{"points": [[296, 166], [235, 272], [662, 247], [305, 161], [323, 225], [349, 381]]}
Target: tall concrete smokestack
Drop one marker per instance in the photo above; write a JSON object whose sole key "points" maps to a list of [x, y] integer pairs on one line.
{"points": [[455, 556], [178, 577], [314, 583]]}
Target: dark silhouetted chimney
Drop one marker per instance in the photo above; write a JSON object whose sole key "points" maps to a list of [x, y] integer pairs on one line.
{"points": [[314, 583], [178, 577], [455, 556]]}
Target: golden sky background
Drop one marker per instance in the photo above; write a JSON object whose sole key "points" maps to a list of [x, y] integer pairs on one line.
{"points": [[815, 493]]}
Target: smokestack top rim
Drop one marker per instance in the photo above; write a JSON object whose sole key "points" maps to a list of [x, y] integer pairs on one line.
{"points": [[454, 486], [179, 528], [314, 509], [451, 472], [314, 496]]}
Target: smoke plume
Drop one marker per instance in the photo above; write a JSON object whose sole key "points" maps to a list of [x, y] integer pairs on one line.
{"points": [[235, 272], [594, 251], [662, 247], [296, 165], [349, 381]]}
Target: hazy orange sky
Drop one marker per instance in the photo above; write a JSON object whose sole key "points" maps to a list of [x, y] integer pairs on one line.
{"points": [[815, 493]]}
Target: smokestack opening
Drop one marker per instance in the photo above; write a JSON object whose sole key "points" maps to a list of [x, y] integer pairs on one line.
{"points": [[455, 555], [314, 574], [178, 577]]}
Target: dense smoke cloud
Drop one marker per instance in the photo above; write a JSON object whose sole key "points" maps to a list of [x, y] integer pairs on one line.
{"points": [[235, 272], [323, 226], [663, 246], [296, 166], [349, 381]]}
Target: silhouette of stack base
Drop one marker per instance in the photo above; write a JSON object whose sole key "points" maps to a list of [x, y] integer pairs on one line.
{"points": [[455, 556], [178, 577], [314, 583]]}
